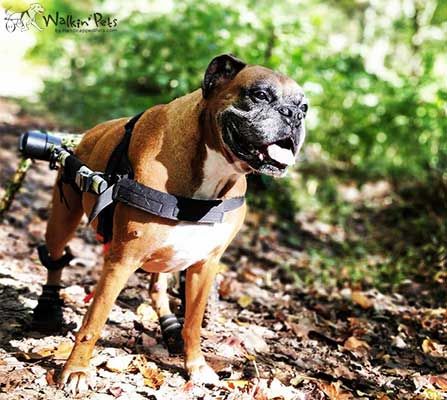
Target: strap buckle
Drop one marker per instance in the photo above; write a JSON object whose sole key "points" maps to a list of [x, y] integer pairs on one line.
{"points": [[90, 181], [83, 179]]}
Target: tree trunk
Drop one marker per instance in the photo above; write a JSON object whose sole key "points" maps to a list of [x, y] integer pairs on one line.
{"points": [[13, 185]]}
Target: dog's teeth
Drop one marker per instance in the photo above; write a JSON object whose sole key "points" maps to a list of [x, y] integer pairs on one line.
{"points": [[261, 156], [283, 156]]}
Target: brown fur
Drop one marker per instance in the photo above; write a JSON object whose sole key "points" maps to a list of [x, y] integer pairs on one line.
{"points": [[167, 152]]}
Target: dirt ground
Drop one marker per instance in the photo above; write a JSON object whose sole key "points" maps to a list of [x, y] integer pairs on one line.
{"points": [[268, 339]]}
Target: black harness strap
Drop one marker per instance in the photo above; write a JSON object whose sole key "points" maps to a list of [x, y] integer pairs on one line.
{"points": [[119, 164], [118, 167], [172, 207]]}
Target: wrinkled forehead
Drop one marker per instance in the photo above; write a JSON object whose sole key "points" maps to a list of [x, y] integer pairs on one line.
{"points": [[256, 77]]}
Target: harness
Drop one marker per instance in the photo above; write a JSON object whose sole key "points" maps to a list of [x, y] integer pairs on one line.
{"points": [[123, 188]]}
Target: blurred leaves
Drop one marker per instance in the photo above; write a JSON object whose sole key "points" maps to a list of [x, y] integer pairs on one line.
{"points": [[373, 71]]}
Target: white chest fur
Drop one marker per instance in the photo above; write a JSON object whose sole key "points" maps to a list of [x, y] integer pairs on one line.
{"points": [[192, 243], [217, 171]]}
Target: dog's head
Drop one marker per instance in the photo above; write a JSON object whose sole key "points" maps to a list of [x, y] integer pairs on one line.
{"points": [[259, 114], [37, 8]]}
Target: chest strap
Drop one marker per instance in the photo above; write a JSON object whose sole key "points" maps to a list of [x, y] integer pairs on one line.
{"points": [[165, 205]]}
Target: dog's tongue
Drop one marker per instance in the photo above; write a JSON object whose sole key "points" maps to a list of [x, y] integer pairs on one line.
{"points": [[283, 156]]}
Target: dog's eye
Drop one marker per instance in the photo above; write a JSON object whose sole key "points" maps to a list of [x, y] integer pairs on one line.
{"points": [[304, 108], [260, 95]]}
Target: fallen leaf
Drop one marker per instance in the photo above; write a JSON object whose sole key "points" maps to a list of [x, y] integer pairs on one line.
{"points": [[433, 348], [120, 363], [60, 352], [422, 381], [440, 381], [153, 377], [116, 391], [188, 387], [244, 301], [279, 391], [22, 355], [296, 380], [15, 378], [359, 347], [235, 384], [399, 342], [360, 299], [251, 275], [259, 394], [50, 377], [231, 347], [254, 342], [353, 343], [432, 394], [146, 313], [333, 391], [302, 328], [343, 371], [241, 323], [63, 351], [225, 287]]}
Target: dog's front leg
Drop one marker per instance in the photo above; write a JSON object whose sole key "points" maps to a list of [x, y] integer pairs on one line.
{"points": [[199, 280], [34, 23], [114, 277]]}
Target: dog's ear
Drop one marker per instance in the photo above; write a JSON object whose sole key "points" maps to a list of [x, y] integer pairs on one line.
{"points": [[221, 69]]}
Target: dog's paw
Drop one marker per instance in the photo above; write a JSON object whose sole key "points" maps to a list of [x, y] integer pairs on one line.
{"points": [[201, 373], [76, 379]]}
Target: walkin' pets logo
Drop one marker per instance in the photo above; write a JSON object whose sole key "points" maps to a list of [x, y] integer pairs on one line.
{"points": [[23, 20], [34, 17]]}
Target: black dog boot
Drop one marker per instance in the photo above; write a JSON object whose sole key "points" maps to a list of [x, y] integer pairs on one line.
{"points": [[171, 325], [171, 330], [47, 316]]}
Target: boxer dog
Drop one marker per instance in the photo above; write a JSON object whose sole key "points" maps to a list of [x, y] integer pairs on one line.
{"points": [[245, 118]]}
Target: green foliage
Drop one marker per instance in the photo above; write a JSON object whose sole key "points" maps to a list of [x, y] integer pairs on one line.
{"points": [[377, 118]]}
